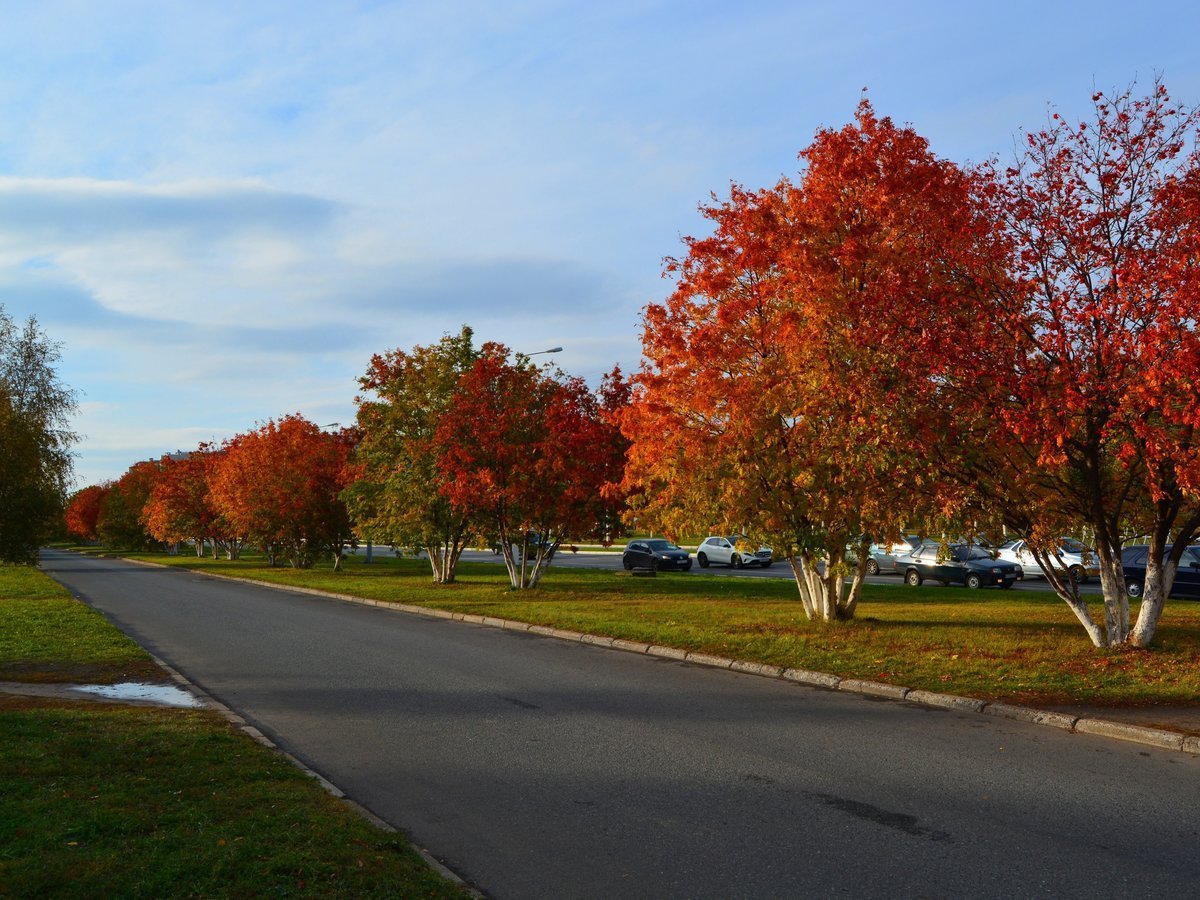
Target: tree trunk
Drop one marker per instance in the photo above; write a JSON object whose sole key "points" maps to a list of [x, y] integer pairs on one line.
{"points": [[1068, 591], [808, 581], [1160, 577]]}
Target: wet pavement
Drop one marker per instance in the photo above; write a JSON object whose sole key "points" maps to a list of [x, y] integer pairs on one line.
{"points": [[139, 693]]}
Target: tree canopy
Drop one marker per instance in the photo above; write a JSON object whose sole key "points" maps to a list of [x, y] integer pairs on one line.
{"points": [[35, 454]]}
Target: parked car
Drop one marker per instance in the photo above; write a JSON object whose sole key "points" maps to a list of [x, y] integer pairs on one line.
{"points": [[884, 556], [655, 553], [964, 564], [1187, 576], [1080, 562], [724, 550]]}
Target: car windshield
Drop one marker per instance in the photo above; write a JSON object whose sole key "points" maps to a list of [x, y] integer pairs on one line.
{"points": [[659, 546], [1070, 545]]}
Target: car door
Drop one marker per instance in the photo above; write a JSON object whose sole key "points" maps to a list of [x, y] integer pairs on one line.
{"points": [[639, 555], [1187, 576]]}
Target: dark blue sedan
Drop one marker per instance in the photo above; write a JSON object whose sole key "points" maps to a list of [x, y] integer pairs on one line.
{"points": [[1187, 577]]}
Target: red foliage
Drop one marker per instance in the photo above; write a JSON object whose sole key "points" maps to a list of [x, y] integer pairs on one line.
{"points": [[83, 512], [533, 451]]}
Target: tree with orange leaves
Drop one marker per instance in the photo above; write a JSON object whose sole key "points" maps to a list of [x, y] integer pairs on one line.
{"points": [[785, 385], [280, 485], [180, 506]]}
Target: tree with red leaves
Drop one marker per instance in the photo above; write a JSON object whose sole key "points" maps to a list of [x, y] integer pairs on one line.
{"points": [[533, 452], [1095, 405], [280, 485], [83, 511]]}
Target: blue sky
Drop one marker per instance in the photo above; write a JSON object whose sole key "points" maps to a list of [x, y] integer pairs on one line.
{"points": [[223, 209]]}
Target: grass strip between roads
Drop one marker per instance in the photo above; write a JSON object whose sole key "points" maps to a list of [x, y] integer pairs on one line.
{"points": [[1016, 646], [107, 800]]}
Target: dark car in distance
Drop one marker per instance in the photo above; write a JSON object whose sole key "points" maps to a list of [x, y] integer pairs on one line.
{"points": [[965, 564], [1187, 576], [657, 554]]}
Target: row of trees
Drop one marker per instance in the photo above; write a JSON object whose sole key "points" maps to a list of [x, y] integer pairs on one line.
{"points": [[277, 486], [889, 342], [896, 341], [453, 444], [35, 440]]}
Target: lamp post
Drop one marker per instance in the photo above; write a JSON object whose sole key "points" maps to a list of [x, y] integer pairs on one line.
{"points": [[539, 352]]}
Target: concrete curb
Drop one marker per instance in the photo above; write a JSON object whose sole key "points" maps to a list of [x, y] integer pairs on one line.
{"points": [[1153, 737]]}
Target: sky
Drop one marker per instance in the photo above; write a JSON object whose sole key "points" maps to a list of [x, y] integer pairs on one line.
{"points": [[221, 210]]}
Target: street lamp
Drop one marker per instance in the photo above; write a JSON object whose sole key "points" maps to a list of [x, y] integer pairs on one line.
{"points": [[539, 352]]}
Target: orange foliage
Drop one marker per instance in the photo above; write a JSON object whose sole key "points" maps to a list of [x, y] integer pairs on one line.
{"points": [[279, 486]]}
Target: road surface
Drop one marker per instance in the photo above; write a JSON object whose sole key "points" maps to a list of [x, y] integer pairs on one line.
{"points": [[541, 768]]}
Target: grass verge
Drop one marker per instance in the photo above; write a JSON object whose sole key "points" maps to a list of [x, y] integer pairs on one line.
{"points": [[107, 800], [1017, 646]]}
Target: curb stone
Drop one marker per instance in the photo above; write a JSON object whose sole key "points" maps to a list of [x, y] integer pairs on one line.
{"points": [[873, 689], [1155, 737], [945, 701], [1031, 715]]}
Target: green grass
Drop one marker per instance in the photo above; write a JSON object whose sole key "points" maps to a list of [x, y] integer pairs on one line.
{"points": [[118, 801], [1017, 646], [46, 635]]}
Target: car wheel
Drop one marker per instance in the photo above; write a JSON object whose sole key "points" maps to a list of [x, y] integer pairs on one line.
{"points": [[702, 559], [913, 577], [1078, 575], [1134, 589], [974, 581], [1007, 586], [767, 564], [736, 560], [626, 563], [872, 567]]}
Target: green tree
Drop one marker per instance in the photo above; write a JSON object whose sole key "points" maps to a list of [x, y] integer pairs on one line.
{"points": [[395, 497], [35, 457]]}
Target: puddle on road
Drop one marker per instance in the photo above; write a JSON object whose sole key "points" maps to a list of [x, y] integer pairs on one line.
{"points": [[163, 694]]}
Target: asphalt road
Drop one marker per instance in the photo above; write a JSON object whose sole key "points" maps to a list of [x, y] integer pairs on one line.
{"points": [[542, 768]]}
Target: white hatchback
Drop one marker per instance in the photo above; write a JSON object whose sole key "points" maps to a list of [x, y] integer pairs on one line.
{"points": [[727, 552], [1080, 562]]}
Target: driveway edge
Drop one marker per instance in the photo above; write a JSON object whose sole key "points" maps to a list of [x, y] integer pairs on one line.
{"points": [[1162, 739]]}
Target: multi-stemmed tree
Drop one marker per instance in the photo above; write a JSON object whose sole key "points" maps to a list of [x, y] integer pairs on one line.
{"points": [[1095, 398], [529, 450], [786, 384]]}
